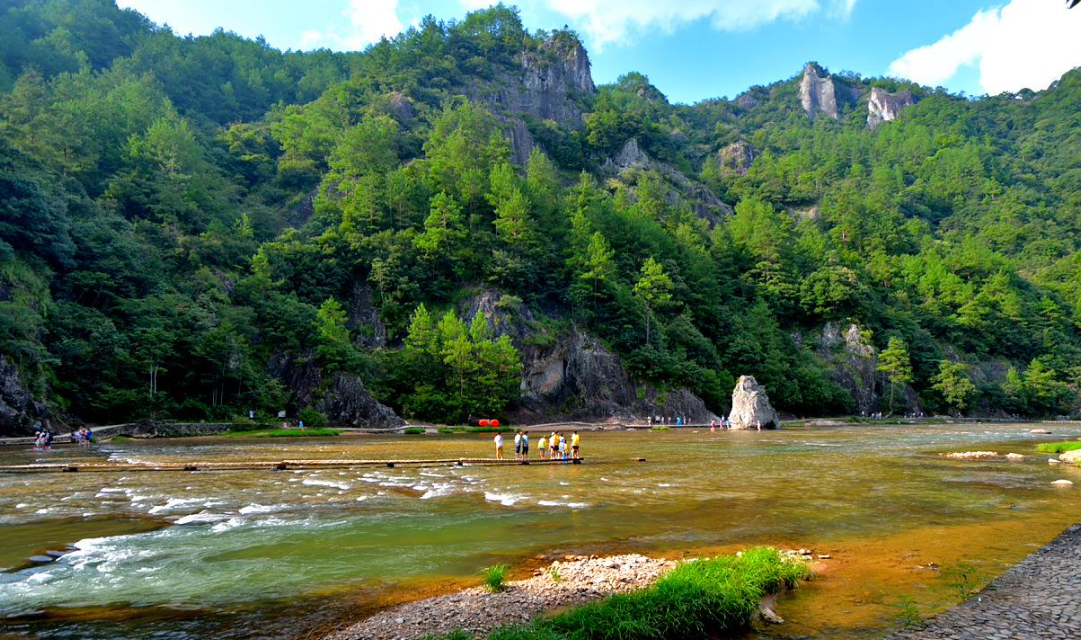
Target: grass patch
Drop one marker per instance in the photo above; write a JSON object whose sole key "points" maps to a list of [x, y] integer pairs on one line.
{"points": [[495, 577], [414, 431], [698, 599], [662, 427], [120, 439], [284, 433], [1058, 447]]}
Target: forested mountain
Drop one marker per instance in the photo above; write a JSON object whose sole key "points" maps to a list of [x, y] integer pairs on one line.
{"points": [[458, 223]]}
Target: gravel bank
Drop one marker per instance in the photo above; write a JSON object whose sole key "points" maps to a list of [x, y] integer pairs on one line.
{"points": [[1037, 599], [580, 579]]}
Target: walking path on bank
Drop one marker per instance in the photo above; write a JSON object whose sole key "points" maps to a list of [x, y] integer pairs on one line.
{"points": [[1037, 599]]}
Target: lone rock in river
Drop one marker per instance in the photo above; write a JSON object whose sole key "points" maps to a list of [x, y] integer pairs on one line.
{"points": [[750, 406]]}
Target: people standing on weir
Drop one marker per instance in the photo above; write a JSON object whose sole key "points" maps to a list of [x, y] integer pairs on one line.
{"points": [[499, 446], [525, 446], [542, 446], [574, 444], [518, 445]]}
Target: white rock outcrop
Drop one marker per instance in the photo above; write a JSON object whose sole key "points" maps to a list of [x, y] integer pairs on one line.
{"points": [[817, 93], [884, 106], [751, 406]]}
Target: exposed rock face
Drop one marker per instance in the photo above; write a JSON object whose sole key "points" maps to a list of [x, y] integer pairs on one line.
{"points": [[736, 158], [302, 210], [347, 402], [706, 205], [573, 376], [547, 88], [751, 407], [364, 318], [18, 409], [401, 107], [884, 106], [817, 93], [854, 365]]}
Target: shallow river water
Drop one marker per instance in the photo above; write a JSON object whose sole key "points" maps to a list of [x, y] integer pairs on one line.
{"points": [[282, 554]]}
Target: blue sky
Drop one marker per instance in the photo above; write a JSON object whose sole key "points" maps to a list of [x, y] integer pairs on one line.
{"points": [[697, 49]]}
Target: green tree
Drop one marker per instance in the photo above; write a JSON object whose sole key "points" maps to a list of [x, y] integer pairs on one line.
{"points": [[895, 363], [954, 383], [653, 289]]}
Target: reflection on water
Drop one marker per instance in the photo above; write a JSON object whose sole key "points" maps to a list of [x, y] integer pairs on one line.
{"points": [[158, 551]]}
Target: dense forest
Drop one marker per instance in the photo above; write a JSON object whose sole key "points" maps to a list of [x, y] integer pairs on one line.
{"points": [[187, 225]]}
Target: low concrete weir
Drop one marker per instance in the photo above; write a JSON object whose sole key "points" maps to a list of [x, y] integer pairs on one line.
{"points": [[283, 465]]}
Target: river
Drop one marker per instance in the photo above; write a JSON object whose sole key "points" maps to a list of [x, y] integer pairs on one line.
{"points": [[281, 554]]}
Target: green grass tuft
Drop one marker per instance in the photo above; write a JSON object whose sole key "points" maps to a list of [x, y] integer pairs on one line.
{"points": [[495, 577], [698, 599], [414, 431], [1058, 447], [662, 427]]}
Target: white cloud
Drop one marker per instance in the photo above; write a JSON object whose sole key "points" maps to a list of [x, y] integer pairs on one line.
{"points": [[615, 21], [371, 20], [1026, 44]]}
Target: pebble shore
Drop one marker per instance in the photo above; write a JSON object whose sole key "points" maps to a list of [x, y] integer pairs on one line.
{"points": [[1038, 599], [572, 581]]}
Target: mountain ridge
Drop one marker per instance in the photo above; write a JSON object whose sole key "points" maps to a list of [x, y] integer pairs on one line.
{"points": [[196, 227]]}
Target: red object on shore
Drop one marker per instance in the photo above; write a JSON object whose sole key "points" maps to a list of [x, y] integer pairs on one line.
{"points": [[484, 423], [494, 423]]}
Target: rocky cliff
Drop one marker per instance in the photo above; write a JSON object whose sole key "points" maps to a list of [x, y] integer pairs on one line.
{"points": [[736, 158], [550, 84], [568, 375], [344, 399], [817, 93], [631, 157], [883, 106], [18, 408]]}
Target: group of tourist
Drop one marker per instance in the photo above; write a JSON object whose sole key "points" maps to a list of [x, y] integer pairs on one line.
{"points": [[552, 447], [678, 421], [723, 423], [43, 439], [83, 437]]}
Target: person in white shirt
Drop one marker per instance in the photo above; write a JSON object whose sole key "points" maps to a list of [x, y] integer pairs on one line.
{"points": [[499, 446]]}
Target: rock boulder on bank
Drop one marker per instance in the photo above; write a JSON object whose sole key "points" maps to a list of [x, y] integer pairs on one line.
{"points": [[751, 406]]}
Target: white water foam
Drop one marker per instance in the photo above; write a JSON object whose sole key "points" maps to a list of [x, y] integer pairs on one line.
{"points": [[202, 517], [316, 482], [262, 508], [505, 499], [571, 505]]}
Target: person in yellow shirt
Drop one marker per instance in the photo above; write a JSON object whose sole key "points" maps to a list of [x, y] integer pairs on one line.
{"points": [[543, 444], [574, 444]]}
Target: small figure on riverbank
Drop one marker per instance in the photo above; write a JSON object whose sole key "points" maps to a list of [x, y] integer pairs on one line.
{"points": [[574, 444], [713, 426], [499, 446]]}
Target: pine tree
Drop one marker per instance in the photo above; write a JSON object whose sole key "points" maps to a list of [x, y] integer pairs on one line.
{"points": [[895, 363], [654, 289]]}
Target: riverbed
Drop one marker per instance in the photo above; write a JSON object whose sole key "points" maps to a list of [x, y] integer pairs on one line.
{"points": [[284, 554]]}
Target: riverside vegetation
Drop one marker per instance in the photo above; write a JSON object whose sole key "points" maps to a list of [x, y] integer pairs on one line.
{"points": [[194, 227], [696, 599]]}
